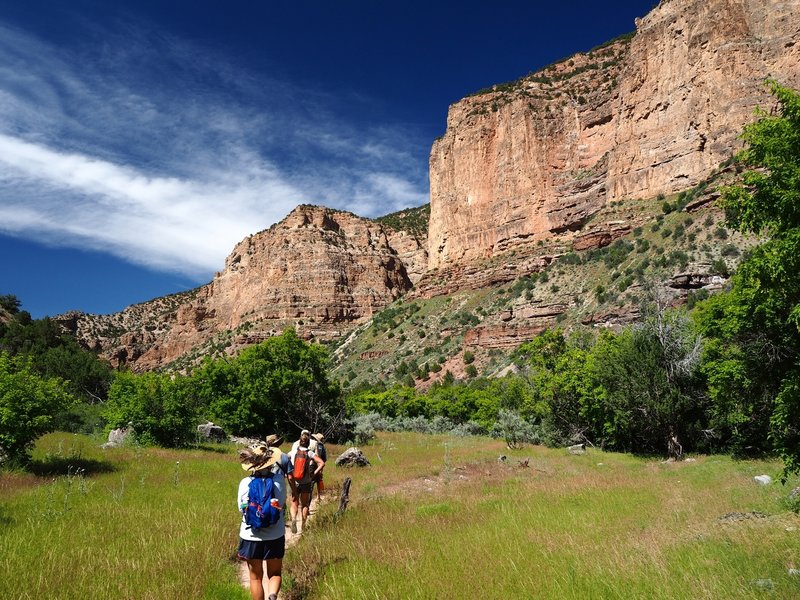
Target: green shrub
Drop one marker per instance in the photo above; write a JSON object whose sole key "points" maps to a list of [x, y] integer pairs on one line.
{"points": [[28, 405], [720, 268], [729, 250], [157, 407]]}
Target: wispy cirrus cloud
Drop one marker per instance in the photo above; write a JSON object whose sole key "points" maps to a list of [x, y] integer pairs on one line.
{"points": [[149, 148]]}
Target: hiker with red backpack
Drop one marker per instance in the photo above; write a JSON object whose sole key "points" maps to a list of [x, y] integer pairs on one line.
{"points": [[306, 466], [261, 498], [323, 454]]}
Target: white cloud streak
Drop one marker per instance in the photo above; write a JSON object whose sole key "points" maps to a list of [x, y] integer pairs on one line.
{"points": [[166, 157]]}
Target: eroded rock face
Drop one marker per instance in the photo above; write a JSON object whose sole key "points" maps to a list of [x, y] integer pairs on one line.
{"points": [[318, 270], [535, 159], [412, 250]]}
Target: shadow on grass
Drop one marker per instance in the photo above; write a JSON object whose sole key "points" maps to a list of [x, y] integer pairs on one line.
{"points": [[64, 465], [212, 447]]}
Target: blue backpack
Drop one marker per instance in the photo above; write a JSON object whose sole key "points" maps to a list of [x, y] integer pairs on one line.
{"points": [[260, 511]]}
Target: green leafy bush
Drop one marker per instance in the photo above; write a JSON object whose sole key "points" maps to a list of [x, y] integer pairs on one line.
{"points": [[28, 405]]}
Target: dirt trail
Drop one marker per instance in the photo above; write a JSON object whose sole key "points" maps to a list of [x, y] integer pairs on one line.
{"points": [[291, 540]]}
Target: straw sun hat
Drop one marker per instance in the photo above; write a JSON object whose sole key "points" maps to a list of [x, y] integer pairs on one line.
{"points": [[274, 440], [258, 456], [319, 437]]}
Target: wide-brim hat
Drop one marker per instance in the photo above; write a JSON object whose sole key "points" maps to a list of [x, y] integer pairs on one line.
{"points": [[319, 437], [259, 456], [274, 440]]}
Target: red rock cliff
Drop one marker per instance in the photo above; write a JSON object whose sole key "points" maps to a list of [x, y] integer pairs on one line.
{"points": [[648, 115], [318, 270]]}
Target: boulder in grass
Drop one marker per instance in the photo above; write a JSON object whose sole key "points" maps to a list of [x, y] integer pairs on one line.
{"points": [[577, 449], [352, 457], [117, 437], [762, 479], [211, 432]]}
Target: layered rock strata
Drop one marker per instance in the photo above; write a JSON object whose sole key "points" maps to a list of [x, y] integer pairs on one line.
{"points": [[319, 271], [650, 115]]}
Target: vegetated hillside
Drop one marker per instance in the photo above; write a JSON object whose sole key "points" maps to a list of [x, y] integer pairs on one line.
{"points": [[411, 220], [677, 244], [138, 324]]}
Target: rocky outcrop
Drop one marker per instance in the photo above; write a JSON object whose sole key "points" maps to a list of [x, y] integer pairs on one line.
{"points": [[526, 173], [654, 114], [412, 251], [502, 336], [478, 276], [319, 271]]}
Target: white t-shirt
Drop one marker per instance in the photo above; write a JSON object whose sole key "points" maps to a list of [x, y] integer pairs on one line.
{"points": [[273, 532]]}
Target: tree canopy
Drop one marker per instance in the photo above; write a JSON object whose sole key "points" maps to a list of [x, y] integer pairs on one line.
{"points": [[753, 357]]}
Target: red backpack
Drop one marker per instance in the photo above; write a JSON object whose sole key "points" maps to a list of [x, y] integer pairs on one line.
{"points": [[302, 466]]}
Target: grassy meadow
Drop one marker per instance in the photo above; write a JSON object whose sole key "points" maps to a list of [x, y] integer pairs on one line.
{"points": [[433, 517]]}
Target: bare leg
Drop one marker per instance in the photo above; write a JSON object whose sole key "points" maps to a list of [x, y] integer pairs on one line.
{"points": [[294, 505], [256, 571], [274, 574], [305, 502]]}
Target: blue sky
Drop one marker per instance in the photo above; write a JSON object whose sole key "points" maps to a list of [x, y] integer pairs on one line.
{"points": [[140, 141]]}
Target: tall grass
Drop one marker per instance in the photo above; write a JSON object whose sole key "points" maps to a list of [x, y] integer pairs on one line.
{"points": [[433, 517], [121, 523], [593, 526]]}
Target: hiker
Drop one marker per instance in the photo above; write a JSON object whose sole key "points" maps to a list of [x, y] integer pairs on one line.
{"points": [[293, 507], [312, 442], [306, 466], [266, 463], [323, 454]]}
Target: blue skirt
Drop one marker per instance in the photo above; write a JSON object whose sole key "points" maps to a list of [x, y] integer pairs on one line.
{"points": [[261, 549]]}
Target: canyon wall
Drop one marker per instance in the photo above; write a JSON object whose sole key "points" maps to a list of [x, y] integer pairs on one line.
{"points": [[525, 173], [650, 114], [318, 271]]}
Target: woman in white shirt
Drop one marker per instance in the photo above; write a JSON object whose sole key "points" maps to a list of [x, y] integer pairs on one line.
{"points": [[266, 543]]}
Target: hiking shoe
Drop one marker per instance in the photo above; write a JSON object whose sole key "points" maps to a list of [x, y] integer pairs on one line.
{"points": [[294, 526]]}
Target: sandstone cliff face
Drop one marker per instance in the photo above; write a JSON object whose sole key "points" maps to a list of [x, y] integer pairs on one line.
{"points": [[693, 77], [412, 250], [318, 270], [653, 114]]}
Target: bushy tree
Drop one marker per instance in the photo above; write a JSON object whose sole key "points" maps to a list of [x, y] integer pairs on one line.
{"points": [[160, 408], [560, 388], [56, 353], [647, 390], [10, 303], [279, 385], [513, 429], [28, 403], [754, 364]]}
